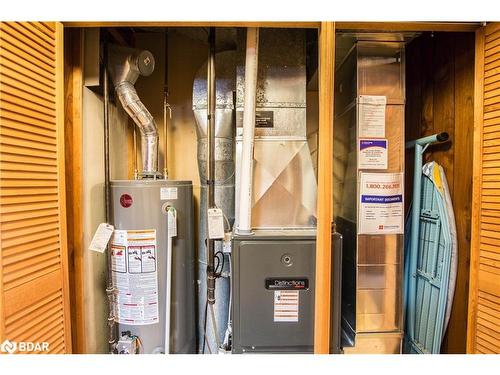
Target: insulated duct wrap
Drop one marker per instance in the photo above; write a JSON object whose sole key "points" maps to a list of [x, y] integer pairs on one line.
{"points": [[224, 182], [125, 66]]}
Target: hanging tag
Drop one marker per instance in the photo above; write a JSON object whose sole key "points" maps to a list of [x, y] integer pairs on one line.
{"points": [[215, 224], [101, 237], [226, 244], [172, 222]]}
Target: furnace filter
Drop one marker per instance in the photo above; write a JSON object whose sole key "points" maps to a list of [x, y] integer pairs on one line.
{"points": [[139, 262]]}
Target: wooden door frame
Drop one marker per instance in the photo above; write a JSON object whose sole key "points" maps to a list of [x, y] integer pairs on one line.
{"points": [[476, 185], [60, 91], [351, 25], [326, 49], [325, 148], [73, 90]]}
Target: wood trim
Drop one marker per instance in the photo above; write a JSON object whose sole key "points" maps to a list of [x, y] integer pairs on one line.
{"points": [[476, 189], [73, 125], [409, 26], [325, 199], [372, 26], [59, 34], [306, 25]]}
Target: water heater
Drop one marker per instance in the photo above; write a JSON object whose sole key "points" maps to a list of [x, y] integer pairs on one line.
{"points": [[155, 298]]}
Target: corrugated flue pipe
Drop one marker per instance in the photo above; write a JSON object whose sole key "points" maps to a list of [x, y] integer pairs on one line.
{"points": [[244, 220], [125, 66]]}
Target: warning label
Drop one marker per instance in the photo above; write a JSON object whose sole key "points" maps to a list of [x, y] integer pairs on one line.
{"points": [[118, 260], [286, 305], [135, 276]]}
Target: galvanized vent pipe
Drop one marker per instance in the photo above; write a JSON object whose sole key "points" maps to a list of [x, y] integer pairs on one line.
{"points": [[244, 221], [125, 66]]}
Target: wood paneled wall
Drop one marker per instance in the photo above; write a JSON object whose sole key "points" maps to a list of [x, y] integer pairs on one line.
{"points": [[440, 97]]}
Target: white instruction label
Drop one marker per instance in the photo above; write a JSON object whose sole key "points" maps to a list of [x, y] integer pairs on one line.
{"points": [[371, 116], [381, 203], [168, 193], [286, 305], [101, 237], [135, 276], [372, 154], [172, 222], [215, 223]]}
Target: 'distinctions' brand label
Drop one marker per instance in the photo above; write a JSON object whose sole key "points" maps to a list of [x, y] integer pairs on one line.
{"points": [[282, 283]]}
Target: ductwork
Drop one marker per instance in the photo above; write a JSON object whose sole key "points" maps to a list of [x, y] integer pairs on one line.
{"points": [[125, 65], [224, 181], [284, 188]]}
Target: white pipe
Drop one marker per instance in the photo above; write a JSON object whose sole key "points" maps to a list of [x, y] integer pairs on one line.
{"points": [[171, 232], [229, 329], [246, 176], [214, 326]]}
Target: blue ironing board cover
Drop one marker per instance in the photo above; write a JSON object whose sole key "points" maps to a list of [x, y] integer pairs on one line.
{"points": [[432, 271]]}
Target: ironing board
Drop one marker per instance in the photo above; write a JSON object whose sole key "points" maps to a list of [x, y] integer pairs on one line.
{"points": [[436, 266]]}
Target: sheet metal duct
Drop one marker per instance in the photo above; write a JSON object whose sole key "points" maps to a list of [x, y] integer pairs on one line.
{"points": [[284, 184], [224, 180], [372, 263], [125, 66]]}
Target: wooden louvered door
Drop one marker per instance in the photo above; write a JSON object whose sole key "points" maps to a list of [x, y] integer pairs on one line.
{"points": [[34, 298], [484, 289]]}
